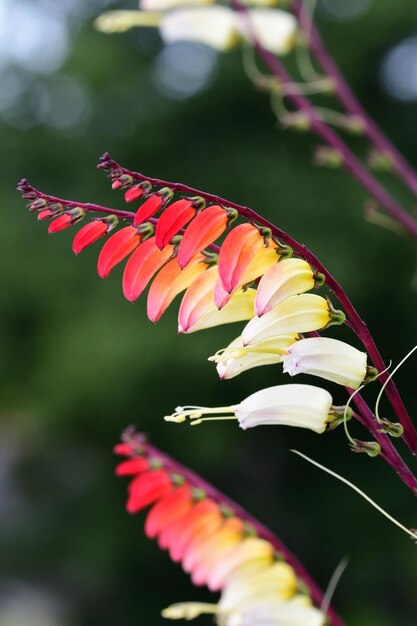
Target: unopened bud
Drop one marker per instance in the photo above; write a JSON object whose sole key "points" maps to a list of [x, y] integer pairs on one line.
{"points": [[328, 157], [298, 121], [40, 203], [122, 181], [371, 448], [379, 161], [394, 429]]}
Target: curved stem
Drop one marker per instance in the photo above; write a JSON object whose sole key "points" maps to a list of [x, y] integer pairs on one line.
{"points": [[317, 594], [356, 322], [346, 96]]}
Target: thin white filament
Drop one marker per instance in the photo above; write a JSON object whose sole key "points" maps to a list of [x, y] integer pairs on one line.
{"points": [[378, 400], [331, 587], [376, 506]]}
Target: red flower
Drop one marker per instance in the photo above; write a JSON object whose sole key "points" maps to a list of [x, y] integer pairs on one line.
{"points": [[45, 214], [147, 488], [131, 467], [88, 234], [167, 510], [175, 217], [137, 191], [152, 205], [141, 266], [66, 220], [205, 228], [117, 248]]}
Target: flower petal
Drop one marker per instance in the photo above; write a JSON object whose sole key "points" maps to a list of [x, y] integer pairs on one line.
{"points": [[169, 282], [287, 278], [237, 251], [147, 488], [175, 217], [149, 208], [274, 29], [168, 509], [297, 314], [117, 248], [205, 228], [142, 265]]}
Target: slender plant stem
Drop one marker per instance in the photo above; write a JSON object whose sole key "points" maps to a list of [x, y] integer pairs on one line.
{"points": [[356, 322], [195, 480], [346, 96]]}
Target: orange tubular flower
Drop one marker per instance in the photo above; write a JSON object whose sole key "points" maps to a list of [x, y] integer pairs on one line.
{"points": [[217, 543], [117, 248], [169, 282], [175, 217], [237, 251], [263, 260], [205, 228], [141, 266]]}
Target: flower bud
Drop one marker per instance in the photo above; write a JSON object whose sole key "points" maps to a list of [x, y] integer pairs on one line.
{"points": [[302, 406], [273, 29], [287, 278], [214, 26], [328, 358]]}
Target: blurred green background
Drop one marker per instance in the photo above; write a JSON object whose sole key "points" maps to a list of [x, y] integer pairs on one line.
{"points": [[79, 363]]}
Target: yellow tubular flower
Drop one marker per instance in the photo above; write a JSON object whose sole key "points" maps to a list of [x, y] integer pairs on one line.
{"points": [[121, 21], [289, 277], [297, 314]]}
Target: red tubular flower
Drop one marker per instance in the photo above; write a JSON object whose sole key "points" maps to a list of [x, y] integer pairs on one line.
{"points": [[45, 214], [137, 191], [141, 266], [117, 248], [201, 518], [66, 220], [152, 205], [237, 251], [131, 467], [168, 510], [169, 282], [205, 228], [147, 488], [175, 217], [168, 537], [88, 234]]}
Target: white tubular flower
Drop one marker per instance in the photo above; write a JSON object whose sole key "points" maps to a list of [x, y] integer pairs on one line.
{"points": [[289, 277], [282, 614], [273, 29], [214, 26], [328, 358], [303, 406], [167, 5], [237, 358], [297, 314]]}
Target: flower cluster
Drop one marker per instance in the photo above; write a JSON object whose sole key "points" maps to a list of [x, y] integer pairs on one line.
{"points": [[202, 21], [171, 242], [217, 543]]}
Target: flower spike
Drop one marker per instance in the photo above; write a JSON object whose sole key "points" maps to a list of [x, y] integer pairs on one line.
{"points": [[146, 259], [219, 545]]}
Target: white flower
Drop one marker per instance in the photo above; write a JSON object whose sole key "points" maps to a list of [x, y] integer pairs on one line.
{"points": [[214, 26], [237, 358], [303, 406], [166, 5], [282, 614], [273, 29], [328, 358]]}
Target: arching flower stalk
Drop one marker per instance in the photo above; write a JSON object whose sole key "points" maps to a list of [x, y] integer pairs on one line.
{"points": [[274, 33], [219, 544], [256, 274]]}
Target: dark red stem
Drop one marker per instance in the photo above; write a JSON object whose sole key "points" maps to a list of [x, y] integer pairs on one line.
{"points": [[357, 324], [346, 96], [195, 480]]}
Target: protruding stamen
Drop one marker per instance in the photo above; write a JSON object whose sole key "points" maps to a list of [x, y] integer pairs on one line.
{"points": [[189, 610], [195, 414]]}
